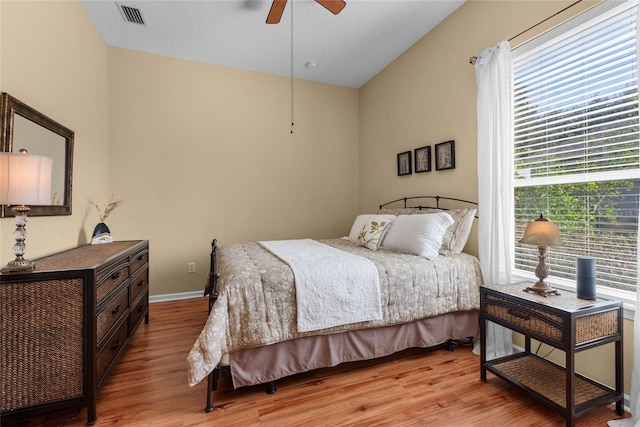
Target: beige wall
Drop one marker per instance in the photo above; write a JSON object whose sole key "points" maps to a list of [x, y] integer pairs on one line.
{"points": [[200, 152], [53, 59]]}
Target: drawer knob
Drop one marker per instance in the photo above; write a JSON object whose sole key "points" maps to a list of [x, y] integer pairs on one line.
{"points": [[115, 275], [140, 257], [519, 314], [115, 310], [141, 283], [141, 308]]}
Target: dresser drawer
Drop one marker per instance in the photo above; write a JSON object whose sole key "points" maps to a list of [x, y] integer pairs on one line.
{"points": [[525, 319], [138, 284], [110, 314], [139, 259], [138, 311], [110, 278], [106, 356]]}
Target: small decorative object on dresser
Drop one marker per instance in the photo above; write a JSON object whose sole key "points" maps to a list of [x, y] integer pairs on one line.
{"points": [[564, 322], [101, 233], [65, 325], [445, 155], [404, 163]]}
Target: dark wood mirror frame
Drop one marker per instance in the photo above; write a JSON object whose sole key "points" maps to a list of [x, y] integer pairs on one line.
{"points": [[9, 107]]}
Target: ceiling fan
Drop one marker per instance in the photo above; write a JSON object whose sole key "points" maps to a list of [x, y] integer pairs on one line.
{"points": [[277, 7]]}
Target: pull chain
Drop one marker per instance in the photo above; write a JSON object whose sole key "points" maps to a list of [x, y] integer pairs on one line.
{"points": [[292, 66]]}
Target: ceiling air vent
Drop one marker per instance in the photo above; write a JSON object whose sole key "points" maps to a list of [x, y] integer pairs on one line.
{"points": [[131, 14]]}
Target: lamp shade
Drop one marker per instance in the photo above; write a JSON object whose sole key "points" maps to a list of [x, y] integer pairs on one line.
{"points": [[25, 179], [541, 232]]}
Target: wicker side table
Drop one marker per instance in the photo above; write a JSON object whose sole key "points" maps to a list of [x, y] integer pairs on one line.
{"points": [[564, 322]]}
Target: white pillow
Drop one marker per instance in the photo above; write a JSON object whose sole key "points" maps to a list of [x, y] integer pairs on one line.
{"points": [[463, 232], [361, 221], [373, 232], [418, 234]]}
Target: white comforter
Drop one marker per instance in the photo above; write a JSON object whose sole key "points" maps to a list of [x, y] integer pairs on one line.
{"points": [[333, 287], [257, 301]]}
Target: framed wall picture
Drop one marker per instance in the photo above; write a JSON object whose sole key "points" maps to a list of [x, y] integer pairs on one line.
{"points": [[445, 155], [422, 158], [404, 163]]}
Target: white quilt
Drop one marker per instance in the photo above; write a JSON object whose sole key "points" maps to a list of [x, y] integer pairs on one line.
{"points": [[333, 287]]}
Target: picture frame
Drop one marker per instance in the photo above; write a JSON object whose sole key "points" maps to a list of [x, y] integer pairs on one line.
{"points": [[445, 155], [422, 158], [404, 163]]}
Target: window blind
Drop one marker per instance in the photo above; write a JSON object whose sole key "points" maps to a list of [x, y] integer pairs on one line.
{"points": [[576, 144]]}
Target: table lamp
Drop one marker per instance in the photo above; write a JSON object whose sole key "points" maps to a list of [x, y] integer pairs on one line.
{"points": [[541, 233], [25, 180]]}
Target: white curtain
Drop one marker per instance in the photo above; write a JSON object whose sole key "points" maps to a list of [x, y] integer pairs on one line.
{"points": [[634, 399], [495, 178]]}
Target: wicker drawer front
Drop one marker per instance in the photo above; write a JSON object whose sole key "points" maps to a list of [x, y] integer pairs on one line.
{"points": [[138, 284], [110, 279], [111, 313], [41, 342], [527, 319], [111, 349], [597, 325], [137, 312], [139, 259]]}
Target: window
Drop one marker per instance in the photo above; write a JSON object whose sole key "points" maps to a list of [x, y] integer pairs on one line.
{"points": [[576, 144]]}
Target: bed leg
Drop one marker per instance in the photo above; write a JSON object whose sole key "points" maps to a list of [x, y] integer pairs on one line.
{"points": [[450, 345], [211, 384], [271, 387]]}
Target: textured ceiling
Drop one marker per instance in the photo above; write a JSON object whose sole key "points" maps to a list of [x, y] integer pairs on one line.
{"points": [[348, 49]]}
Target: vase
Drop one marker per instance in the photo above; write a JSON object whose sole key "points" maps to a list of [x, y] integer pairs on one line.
{"points": [[101, 234]]}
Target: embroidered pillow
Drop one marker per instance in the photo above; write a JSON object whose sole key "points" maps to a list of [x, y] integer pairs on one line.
{"points": [[361, 221], [373, 232]]}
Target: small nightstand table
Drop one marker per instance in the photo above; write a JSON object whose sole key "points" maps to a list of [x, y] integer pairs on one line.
{"points": [[564, 322]]}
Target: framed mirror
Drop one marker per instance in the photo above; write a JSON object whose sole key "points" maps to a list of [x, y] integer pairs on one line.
{"points": [[22, 127]]}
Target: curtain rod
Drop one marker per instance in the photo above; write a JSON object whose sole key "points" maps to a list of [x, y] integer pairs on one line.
{"points": [[473, 59]]}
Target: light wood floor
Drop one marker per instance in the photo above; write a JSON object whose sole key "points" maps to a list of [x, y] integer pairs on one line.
{"points": [[149, 387]]}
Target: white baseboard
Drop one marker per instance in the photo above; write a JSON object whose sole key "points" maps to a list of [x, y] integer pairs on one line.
{"points": [[175, 297]]}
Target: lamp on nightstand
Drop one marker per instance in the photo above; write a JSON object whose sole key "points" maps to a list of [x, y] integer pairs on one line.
{"points": [[24, 180], [541, 233]]}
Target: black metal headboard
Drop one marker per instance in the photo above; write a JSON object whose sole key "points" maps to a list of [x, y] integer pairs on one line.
{"points": [[431, 200]]}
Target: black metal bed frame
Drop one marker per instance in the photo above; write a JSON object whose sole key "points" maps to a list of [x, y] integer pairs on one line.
{"points": [[420, 207], [212, 290]]}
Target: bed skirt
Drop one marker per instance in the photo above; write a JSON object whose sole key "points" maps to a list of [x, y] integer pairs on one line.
{"points": [[260, 365]]}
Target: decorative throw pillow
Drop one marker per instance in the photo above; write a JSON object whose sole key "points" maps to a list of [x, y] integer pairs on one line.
{"points": [[418, 234], [373, 232], [361, 221], [463, 232]]}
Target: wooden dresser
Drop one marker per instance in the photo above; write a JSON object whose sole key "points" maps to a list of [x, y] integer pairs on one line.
{"points": [[64, 326]]}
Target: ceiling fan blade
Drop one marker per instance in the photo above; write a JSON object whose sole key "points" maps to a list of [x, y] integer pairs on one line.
{"points": [[275, 13], [333, 6]]}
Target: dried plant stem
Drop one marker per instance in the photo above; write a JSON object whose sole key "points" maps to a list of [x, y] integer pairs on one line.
{"points": [[104, 212]]}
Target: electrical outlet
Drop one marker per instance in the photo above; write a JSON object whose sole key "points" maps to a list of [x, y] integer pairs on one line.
{"points": [[192, 267]]}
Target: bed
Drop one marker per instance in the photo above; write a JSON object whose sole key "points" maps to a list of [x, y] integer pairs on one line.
{"points": [[403, 267]]}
